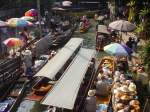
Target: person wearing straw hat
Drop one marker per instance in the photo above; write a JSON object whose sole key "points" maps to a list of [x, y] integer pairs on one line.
{"points": [[27, 59], [102, 87], [90, 104]]}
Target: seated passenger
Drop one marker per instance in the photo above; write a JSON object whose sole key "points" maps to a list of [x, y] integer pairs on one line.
{"points": [[102, 87], [90, 103]]}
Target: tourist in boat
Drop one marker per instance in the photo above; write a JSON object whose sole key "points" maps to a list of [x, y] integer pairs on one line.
{"points": [[90, 104], [27, 60], [24, 35], [102, 87]]}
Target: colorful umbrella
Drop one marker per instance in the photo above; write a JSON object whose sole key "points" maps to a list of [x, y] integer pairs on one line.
{"points": [[17, 22], [31, 13], [129, 50], [13, 42], [3, 24], [116, 49], [27, 18]]}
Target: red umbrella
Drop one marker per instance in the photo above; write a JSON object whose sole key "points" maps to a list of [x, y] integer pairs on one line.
{"points": [[13, 42], [31, 13]]}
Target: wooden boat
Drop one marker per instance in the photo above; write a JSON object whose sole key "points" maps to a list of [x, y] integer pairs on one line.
{"points": [[102, 100], [62, 38], [84, 27], [102, 37], [46, 77], [69, 93], [50, 76], [39, 89]]}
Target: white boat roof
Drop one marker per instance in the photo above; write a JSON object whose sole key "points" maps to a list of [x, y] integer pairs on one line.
{"points": [[64, 92], [103, 29], [54, 65]]}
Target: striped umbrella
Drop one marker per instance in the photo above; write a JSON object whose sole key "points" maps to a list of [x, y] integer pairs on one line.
{"points": [[13, 42], [17, 22], [31, 13], [3, 24], [27, 18]]}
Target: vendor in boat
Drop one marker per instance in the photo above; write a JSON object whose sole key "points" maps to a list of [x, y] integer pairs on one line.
{"points": [[90, 103], [103, 87], [27, 60], [106, 68]]}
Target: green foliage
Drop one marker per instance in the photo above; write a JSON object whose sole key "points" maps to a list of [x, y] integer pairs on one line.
{"points": [[145, 55], [144, 12], [140, 28]]}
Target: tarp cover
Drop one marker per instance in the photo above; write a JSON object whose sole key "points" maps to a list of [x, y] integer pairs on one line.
{"points": [[64, 93], [58, 61]]}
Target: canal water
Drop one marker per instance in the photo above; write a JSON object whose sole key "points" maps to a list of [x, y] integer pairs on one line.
{"points": [[89, 42]]}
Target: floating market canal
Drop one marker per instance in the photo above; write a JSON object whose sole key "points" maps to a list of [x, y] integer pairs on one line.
{"points": [[89, 42]]}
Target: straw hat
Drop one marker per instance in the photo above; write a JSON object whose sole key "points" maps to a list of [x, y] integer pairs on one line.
{"points": [[99, 76], [116, 79], [125, 97], [124, 89], [134, 102], [119, 106], [106, 61], [17, 53], [27, 52], [91, 92], [117, 73], [132, 87]]}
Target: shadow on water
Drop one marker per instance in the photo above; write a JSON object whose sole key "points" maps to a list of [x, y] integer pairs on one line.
{"points": [[89, 42]]}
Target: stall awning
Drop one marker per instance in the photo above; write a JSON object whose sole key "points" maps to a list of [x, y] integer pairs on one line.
{"points": [[64, 93], [58, 61]]}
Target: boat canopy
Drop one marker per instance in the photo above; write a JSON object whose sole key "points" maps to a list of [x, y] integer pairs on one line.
{"points": [[103, 29], [64, 92], [55, 64]]}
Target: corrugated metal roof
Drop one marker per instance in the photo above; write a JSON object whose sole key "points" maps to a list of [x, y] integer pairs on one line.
{"points": [[58, 61], [64, 93]]}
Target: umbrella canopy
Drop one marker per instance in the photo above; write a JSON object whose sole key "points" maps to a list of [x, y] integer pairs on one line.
{"points": [[17, 22], [66, 3], [27, 18], [31, 13], [116, 49], [3, 24], [122, 25], [100, 18], [13, 42], [58, 9], [129, 50]]}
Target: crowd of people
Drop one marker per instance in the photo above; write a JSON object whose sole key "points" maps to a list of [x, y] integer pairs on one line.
{"points": [[116, 85]]}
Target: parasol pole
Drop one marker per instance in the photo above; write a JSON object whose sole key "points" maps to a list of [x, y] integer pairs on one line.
{"points": [[39, 17]]}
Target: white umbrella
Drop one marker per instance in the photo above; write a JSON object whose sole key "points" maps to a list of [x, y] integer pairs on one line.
{"points": [[3, 24], [58, 9], [122, 25], [66, 3]]}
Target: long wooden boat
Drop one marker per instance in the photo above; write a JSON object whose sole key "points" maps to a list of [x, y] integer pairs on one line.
{"points": [[102, 37], [16, 90], [42, 81], [70, 90], [103, 101]]}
